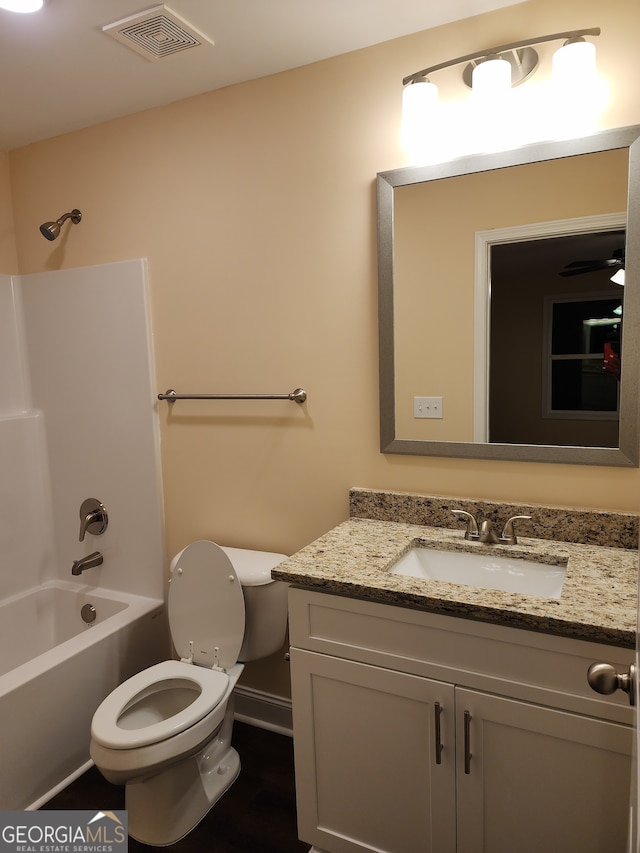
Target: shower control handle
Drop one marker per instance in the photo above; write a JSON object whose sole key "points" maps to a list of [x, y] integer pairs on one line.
{"points": [[93, 518]]}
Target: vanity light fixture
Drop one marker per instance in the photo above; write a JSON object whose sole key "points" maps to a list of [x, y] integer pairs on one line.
{"points": [[494, 72], [21, 5]]}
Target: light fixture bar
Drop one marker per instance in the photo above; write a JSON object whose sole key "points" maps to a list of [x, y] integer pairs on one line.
{"points": [[503, 48]]}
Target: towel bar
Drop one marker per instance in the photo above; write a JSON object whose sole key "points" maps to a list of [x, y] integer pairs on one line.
{"points": [[297, 396]]}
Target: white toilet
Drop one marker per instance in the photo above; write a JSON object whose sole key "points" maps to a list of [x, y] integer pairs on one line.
{"points": [[165, 733]]}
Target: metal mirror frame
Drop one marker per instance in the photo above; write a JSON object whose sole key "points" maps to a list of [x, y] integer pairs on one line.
{"points": [[626, 454]]}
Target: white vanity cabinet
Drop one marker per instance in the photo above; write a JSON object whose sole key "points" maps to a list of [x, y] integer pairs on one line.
{"points": [[368, 776], [416, 732]]}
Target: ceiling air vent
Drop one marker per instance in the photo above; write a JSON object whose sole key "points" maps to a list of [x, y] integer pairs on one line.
{"points": [[157, 33]]}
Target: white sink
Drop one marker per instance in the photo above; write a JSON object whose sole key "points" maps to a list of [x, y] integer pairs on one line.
{"points": [[486, 571]]}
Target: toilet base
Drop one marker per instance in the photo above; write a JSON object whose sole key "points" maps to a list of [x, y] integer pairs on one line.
{"points": [[164, 808]]}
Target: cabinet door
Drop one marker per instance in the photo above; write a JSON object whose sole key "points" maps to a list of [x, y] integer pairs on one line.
{"points": [[532, 779], [371, 773]]}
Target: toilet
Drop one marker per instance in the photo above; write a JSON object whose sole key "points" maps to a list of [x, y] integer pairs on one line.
{"points": [[165, 733]]}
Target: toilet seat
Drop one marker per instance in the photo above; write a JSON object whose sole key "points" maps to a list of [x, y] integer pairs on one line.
{"points": [[209, 686], [206, 606]]}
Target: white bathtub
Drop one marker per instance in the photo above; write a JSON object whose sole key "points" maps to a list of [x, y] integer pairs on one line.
{"points": [[55, 670]]}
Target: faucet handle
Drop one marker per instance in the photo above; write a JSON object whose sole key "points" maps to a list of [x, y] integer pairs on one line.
{"points": [[508, 531], [93, 518], [472, 525]]}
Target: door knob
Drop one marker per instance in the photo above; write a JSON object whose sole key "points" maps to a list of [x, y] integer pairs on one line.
{"points": [[604, 678]]}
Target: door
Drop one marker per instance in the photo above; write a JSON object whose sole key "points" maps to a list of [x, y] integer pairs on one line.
{"points": [[374, 756], [531, 778]]}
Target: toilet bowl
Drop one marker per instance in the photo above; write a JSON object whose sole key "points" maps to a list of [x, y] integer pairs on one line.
{"points": [[165, 733]]}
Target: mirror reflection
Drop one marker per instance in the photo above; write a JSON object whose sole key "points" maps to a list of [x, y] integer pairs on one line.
{"points": [[555, 332], [497, 306]]}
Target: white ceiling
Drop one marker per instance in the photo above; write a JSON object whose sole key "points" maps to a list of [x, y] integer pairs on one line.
{"points": [[60, 72]]}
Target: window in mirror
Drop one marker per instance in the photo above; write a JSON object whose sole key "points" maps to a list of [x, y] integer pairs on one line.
{"points": [[583, 339]]}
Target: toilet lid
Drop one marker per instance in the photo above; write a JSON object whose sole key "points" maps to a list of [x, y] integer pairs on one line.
{"points": [[206, 606]]}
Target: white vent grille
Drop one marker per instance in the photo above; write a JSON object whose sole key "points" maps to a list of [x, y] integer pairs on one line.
{"points": [[157, 33]]}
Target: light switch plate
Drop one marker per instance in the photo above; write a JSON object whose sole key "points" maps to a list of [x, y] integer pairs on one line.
{"points": [[427, 407]]}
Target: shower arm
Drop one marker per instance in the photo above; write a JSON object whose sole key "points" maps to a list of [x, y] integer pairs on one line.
{"points": [[75, 216]]}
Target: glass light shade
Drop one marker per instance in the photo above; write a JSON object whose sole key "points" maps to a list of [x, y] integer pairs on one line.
{"points": [[574, 63], [618, 277], [419, 107], [419, 100], [491, 78], [577, 93], [21, 5]]}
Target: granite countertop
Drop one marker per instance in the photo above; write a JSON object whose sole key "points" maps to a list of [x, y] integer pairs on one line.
{"points": [[598, 601]]}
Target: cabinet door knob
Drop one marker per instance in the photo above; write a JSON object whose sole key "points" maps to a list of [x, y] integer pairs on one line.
{"points": [[605, 679]]}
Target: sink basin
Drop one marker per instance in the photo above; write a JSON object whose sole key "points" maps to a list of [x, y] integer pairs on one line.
{"points": [[486, 571]]}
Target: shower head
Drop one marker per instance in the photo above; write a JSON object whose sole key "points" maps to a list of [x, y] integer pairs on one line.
{"points": [[50, 230]]}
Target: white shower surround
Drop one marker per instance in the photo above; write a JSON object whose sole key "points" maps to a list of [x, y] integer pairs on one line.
{"points": [[78, 419]]}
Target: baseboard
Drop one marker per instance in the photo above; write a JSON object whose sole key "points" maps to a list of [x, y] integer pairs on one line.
{"points": [[263, 710]]}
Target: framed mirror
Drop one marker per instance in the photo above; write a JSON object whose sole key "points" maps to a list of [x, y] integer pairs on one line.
{"points": [[502, 334]]}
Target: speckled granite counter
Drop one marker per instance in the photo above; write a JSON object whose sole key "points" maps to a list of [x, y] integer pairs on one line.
{"points": [[598, 601]]}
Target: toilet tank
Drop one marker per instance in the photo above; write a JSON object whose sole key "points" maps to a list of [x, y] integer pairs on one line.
{"points": [[265, 602]]}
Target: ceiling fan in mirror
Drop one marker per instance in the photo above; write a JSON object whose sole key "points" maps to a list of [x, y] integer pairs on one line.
{"points": [[614, 263]]}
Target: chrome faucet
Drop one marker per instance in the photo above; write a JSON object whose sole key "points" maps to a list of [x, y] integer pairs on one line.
{"points": [[88, 562], [486, 533]]}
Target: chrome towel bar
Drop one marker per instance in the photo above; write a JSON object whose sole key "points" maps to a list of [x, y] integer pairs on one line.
{"points": [[297, 396]]}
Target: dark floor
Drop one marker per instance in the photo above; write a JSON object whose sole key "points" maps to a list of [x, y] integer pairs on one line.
{"points": [[256, 815]]}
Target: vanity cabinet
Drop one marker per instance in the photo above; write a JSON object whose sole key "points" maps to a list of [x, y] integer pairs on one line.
{"points": [[368, 773], [419, 732]]}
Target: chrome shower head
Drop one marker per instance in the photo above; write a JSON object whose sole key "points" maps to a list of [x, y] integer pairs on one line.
{"points": [[50, 230]]}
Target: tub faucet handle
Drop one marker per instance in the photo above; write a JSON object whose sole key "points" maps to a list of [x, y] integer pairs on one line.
{"points": [[93, 518]]}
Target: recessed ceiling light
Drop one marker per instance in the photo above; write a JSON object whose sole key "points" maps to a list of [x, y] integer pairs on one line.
{"points": [[21, 5]]}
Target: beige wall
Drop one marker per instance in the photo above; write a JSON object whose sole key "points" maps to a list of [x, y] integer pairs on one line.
{"points": [[255, 207], [8, 256]]}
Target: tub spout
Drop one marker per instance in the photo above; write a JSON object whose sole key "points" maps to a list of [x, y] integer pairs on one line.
{"points": [[87, 562]]}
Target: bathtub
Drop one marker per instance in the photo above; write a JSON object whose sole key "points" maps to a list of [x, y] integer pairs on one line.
{"points": [[55, 669]]}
